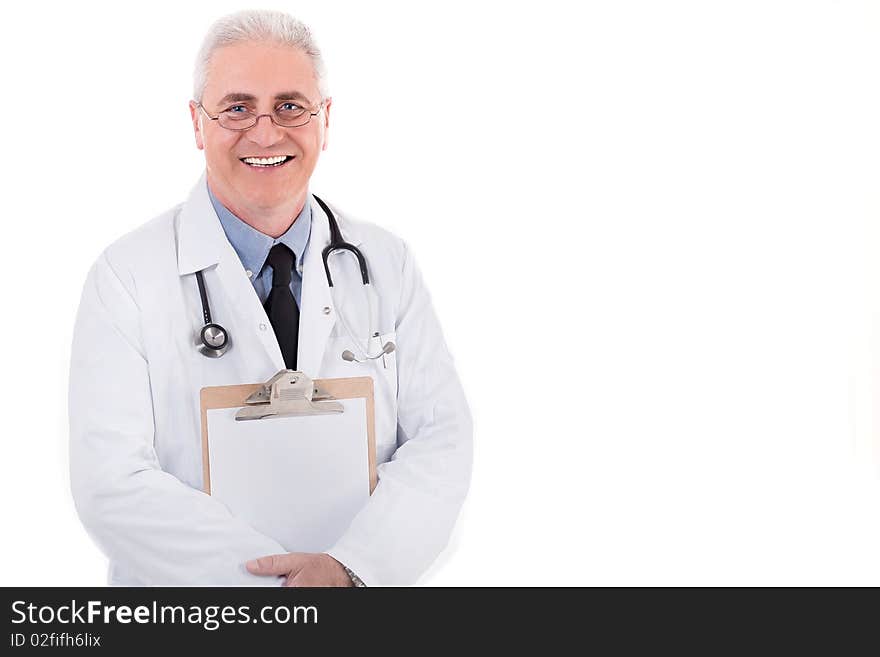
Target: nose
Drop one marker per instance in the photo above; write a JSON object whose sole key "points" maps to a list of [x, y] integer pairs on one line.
{"points": [[265, 133]]}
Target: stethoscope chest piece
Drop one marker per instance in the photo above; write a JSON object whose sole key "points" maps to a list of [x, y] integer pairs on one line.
{"points": [[213, 340]]}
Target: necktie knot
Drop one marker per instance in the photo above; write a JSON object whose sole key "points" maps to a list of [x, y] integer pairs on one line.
{"points": [[281, 259]]}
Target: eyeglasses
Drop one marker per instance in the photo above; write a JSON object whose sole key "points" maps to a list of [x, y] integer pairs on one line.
{"points": [[286, 115]]}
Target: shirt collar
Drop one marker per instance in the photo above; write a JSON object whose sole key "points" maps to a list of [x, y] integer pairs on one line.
{"points": [[252, 246]]}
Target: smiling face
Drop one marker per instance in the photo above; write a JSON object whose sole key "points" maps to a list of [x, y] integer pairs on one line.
{"points": [[244, 168]]}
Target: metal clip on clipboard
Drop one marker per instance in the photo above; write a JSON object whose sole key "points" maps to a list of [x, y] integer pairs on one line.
{"points": [[288, 393]]}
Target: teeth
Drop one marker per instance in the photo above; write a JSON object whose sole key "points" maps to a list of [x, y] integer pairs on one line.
{"points": [[266, 160]]}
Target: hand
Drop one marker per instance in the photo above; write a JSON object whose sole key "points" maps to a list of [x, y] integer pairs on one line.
{"points": [[302, 569]]}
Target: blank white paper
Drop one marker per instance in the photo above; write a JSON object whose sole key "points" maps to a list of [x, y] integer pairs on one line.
{"points": [[299, 480]]}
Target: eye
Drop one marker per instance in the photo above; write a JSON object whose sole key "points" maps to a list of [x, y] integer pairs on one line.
{"points": [[236, 109], [289, 107]]}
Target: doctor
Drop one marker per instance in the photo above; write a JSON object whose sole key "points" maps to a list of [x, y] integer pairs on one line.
{"points": [[254, 231]]}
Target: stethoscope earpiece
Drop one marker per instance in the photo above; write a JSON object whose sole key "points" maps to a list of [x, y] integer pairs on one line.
{"points": [[349, 356]]}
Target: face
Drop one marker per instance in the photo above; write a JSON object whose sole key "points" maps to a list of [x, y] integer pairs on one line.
{"points": [[260, 77]]}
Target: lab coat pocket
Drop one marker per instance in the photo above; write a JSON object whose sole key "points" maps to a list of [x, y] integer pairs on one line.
{"points": [[383, 371]]}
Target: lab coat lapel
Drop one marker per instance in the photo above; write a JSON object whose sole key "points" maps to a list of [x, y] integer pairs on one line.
{"points": [[245, 303], [203, 244], [199, 234], [315, 323]]}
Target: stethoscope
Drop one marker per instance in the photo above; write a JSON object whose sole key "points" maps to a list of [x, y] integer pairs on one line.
{"points": [[214, 340]]}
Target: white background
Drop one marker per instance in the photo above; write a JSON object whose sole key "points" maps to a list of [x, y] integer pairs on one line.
{"points": [[649, 230]]}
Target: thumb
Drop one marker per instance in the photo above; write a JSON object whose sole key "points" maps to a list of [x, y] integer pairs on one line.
{"points": [[274, 564]]}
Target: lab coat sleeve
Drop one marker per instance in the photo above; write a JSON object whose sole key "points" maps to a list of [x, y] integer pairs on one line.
{"points": [[151, 525], [410, 516]]}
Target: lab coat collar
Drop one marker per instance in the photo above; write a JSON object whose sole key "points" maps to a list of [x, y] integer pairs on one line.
{"points": [[200, 237], [203, 244], [350, 233]]}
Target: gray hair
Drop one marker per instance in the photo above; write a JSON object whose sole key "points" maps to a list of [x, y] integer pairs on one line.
{"points": [[257, 25]]}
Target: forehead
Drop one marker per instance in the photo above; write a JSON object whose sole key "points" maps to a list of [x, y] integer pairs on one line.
{"points": [[260, 69]]}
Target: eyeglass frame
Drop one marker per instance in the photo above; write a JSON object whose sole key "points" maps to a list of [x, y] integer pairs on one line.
{"points": [[260, 116]]}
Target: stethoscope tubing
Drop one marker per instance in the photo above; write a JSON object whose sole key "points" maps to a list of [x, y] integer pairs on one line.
{"points": [[337, 243], [206, 309]]}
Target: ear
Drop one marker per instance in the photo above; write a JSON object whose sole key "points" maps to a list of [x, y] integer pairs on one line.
{"points": [[196, 117], [326, 126]]}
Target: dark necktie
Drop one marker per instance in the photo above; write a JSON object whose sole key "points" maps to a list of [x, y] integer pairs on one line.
{"points": [[281, 306]]}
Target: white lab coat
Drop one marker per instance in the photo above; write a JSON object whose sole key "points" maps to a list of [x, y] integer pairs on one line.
{"points": [[135, 442]]}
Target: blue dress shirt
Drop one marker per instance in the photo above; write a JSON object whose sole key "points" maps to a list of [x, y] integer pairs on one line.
{"points": [[253, 247]]}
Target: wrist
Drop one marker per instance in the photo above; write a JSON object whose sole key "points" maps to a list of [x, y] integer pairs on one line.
{"points": [[355, 580], [349, 577]]}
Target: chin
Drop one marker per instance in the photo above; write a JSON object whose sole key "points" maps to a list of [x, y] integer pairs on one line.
{"points": [[270, 197]]}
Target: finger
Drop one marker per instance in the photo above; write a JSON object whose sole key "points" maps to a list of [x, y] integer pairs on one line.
{"points": [[274, 564]]}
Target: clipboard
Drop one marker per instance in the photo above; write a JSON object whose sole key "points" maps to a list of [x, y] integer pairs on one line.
{"points": [[266, 416]]}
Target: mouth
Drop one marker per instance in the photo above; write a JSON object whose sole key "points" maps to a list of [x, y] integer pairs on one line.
{"points": [[266, 162]]}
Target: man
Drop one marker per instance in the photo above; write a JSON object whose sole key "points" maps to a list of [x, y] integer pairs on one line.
{"points": [[254, 233]]}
